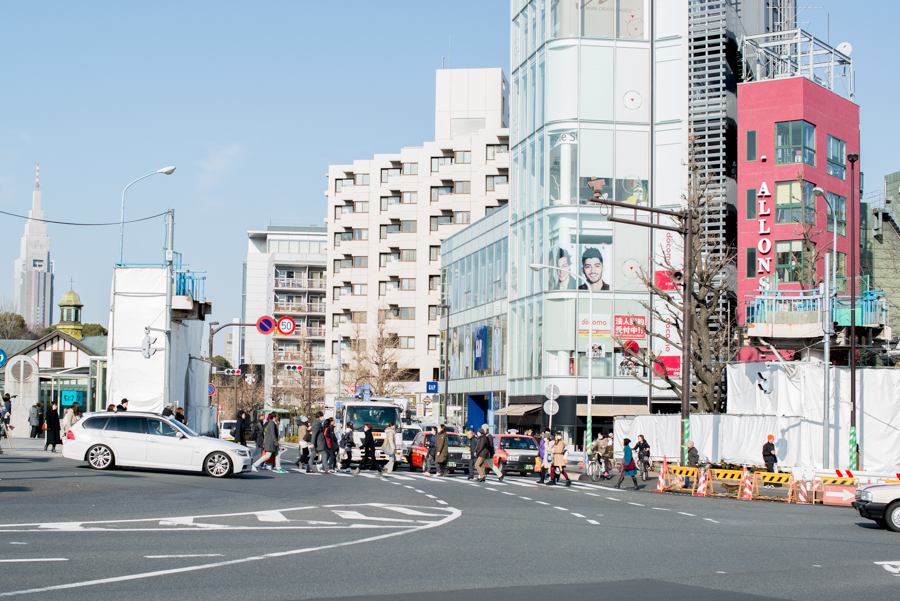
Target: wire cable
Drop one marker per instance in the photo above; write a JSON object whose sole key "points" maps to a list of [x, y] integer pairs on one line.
{"points": [[83, 224]]}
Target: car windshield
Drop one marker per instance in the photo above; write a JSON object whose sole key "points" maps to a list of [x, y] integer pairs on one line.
{"points": [[452, 439], [410, 434], [377, 417], [518, 443], [182, 427]]}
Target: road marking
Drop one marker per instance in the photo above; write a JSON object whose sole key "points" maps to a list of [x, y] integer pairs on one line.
{"points": [[660, 508], [492, 489], [442, 502], [815, 566], [613, 499], [560, 508], [431, 496], [62, 526], [594, 522], [721, 572], [271, 516], [541, 503], [33, 559], [179, 556], [355, 515], [408, 486], [591, 494], [15, 543], [638, 504], [525, 484], [419, 491], [525, 498], [577, 515], [408, 511], [512, 494], [452, 515], [687, 514], [711, 520], [891, 566]]}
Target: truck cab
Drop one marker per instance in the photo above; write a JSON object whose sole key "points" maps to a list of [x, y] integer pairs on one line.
{"points": [[378, 413]]}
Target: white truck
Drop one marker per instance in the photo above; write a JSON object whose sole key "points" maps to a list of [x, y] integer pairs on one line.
{"points": [[378, 413]]}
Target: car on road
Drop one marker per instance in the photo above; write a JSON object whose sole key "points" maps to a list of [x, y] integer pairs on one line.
{"points": [[136, 439], [409, 435], [879, 503], [225, 429], [458, 452], [515, 453]]}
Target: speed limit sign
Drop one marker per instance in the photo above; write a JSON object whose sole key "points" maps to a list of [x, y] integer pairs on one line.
{"points": [[286, 326]]}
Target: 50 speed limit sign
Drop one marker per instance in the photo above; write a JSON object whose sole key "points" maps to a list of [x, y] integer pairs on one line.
{"points": [[286, 326]]}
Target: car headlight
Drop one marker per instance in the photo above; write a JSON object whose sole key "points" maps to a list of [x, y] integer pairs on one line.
{"points": [[513, 458], [241, 453], [863, 495], [466, 456]]}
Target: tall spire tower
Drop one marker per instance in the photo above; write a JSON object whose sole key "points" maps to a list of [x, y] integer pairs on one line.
{"points": [[33, 268]]}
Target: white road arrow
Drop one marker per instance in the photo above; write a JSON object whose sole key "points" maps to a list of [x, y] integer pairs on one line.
{"points": [[891, 566], [844, 494]]}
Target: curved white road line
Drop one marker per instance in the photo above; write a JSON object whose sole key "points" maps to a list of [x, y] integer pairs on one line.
{"points": [[453, 514]]}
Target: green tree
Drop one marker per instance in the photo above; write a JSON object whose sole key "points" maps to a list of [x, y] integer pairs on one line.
{"points": [[221, 362], [94, 329]]}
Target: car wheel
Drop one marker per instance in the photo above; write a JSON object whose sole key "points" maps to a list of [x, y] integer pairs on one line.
{"points": [[523, 474], [882, 523], [217, 465], [892, 516], [100, 457]]}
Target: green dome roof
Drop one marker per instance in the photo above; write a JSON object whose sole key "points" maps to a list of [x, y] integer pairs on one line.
{"points": [[70, 299]]}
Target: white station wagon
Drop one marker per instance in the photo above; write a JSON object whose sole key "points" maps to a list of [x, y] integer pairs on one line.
{"points": [[135, 439]]}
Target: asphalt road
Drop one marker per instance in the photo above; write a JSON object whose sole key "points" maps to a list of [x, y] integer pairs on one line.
{"points": [[69, 532]]}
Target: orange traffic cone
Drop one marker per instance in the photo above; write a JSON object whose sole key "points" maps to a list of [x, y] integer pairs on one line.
{"points": [[663, 472], [702, 482], [746, 485]]}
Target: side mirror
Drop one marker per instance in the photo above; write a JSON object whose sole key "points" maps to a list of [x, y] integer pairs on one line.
{"points": [[179, 434]]}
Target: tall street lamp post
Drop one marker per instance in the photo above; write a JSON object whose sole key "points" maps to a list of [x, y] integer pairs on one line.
{"points": [[829, 323], [446, 400], [854, 447], [590, 351], [164, 171]]}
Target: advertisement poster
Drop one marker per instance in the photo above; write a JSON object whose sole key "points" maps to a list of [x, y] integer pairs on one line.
{"points": [[481, 348], [601, 326], [454, 355], [630, 327]]}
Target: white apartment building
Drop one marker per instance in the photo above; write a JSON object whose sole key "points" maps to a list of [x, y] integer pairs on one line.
{"points": [[388, 215], [284, 275]]}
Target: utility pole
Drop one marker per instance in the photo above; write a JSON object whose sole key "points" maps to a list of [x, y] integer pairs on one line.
{"points": [[445, 402], [829, 324], [854, 447], [170, 258]]}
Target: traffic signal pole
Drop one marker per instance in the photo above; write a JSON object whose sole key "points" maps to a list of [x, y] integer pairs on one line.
{"points": [[212, 332]]}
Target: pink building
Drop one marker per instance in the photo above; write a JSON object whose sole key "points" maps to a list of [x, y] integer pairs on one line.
{"points": [[788, 129]]}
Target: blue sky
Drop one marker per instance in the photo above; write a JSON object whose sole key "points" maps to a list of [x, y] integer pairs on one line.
{"points": [[252, 102]]}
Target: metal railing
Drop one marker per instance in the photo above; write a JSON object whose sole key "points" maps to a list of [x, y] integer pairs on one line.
{"points": [[295, 307], [765, 305], [300, 283], [191, 283], [315, 331]]}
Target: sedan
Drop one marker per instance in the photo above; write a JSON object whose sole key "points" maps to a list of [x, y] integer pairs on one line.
{"points": [[149, 440], [515, 453], [458, 452]]}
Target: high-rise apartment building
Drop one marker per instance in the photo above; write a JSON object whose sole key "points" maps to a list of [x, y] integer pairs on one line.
{"points": [[388, 215], [284, 276], [34, 269]]}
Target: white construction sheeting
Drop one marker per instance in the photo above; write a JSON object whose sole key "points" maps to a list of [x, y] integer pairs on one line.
{"points": [[792, 413]]}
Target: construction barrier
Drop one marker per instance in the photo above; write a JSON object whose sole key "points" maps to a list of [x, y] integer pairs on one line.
{"points": [[820, 482], [702, 487], [729, 482], [678, 473], [746, 493], [772, 478], [800, 492], [663, 474]]}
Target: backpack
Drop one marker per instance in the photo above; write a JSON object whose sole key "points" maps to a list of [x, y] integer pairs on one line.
{"points": [[308, 436]]}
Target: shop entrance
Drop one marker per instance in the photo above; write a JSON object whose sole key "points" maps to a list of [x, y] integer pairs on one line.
{"points": [[477, 414]]}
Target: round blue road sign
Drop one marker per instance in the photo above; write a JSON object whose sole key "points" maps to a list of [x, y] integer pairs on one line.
{"points": [[2, 357], [212, 389], [265, 325]]}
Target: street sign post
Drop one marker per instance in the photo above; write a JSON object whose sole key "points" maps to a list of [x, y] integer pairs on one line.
{"points": [[286, 326], [211, 390], [265, 325], [836, 494], [2, 358], [551, 407]]}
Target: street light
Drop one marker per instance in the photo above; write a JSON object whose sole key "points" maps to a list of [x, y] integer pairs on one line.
{"points": [[445, 401], [829, 321], [165, 171], [590, 353], [854, 452]]}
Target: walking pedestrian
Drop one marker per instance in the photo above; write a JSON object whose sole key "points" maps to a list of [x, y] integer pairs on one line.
{"points": [[495, 465], [473, 440], [34, 419], [6, 414], [240, 429], [430, 442], [270, 446], [347, 445], [317, 443], [51, 420], [558, 463], [123, 405], [389, 448], [180, 416], [303, 438], [441, 452], [368, 452], [693, 460], [628, 466], [769, 457], [257, 434], [331, 446], [167, 412], [73, 414], [482, 449], [642, 448]]}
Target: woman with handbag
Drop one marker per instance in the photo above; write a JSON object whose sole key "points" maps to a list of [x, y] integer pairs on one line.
{"points": [[73, 414], [558, 450], [51, 425], [628, 466]]}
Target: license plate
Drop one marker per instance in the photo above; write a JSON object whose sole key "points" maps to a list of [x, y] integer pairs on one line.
{"points": [[451, 465]]}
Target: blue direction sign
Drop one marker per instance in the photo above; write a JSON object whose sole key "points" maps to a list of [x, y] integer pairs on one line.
{"points": [[431, 387], [212, 389], [265, 325], [2, 357]]}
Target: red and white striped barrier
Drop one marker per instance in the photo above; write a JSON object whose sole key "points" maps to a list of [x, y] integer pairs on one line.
{"points": [[746, 492], [661, 482], [702, 482]]}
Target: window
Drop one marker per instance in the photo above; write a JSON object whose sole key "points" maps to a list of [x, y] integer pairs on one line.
{"points": [[461, 217], [361, 179], [434, 253], [792, 200], [339, 236], [159, 427], [837, 157], [57, 358], [407, 342], [492, 181], [432, 312], [359, 316], [438, 191], [339, 318], [751, 145], [342, 264], [357, 344], [434, 282], [134, 425], [340, 184], [360, 234], [338, 211], [389, 286], [795, 142], [432, 342], [494, 149], [751, 262], [408, 226], [385, 258], [340, 291], [387, 201], [789, 260], [462, 156], [386, 173], [361, 207], [751, 203], [842, 267], [392, 312], [410, 168], [407, 255], [837, 207], [407, 312], [436, 222], [410, 198], [360, 289], [360, 262], [436, 162], [462, 187], [408, 284]]}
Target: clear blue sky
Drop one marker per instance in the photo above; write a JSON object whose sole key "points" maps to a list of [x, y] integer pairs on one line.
{"points": [[252, 101]]}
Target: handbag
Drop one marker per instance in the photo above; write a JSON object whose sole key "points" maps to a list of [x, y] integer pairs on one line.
{"points": [[628, 466], [44, 426]]}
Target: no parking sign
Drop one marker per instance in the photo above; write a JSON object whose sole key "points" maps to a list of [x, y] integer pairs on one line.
{"points": [[265, 325]]}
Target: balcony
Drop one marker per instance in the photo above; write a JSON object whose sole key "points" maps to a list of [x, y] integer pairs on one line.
{"points": [[300, 283], [298, 356], [316, 331], [299, 307]]}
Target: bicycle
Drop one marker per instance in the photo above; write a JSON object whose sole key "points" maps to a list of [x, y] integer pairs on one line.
{"points": [[644, 466], [596, 470]]}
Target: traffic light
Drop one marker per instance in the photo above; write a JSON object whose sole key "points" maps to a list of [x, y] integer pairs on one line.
{"points": [[148, 342], [232, 372], [293, 368]]}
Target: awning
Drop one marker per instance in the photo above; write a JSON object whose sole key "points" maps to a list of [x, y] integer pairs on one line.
{"points": [[517, 410], [611, 410]]}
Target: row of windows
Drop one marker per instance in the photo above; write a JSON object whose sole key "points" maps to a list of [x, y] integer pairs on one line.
{"points": [[795, 202], [789, 264], [403, 342], [460, 187], [795, 142], [295, 247]]}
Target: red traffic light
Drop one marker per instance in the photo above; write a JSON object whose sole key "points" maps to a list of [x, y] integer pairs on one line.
{"points": [[293, 368]]}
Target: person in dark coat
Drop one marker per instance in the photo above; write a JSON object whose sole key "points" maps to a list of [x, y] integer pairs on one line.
{"points": [[441, 452], [257, 434], [123, 406], [770, 458], [270, 446], [347, 444], [368, 452], [483, 451], [473, 440], [240, 429], [34, 419], [167, 412], [693, 460], [52, 420], [317, 443]]}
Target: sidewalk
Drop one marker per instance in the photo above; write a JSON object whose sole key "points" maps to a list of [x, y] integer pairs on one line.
{"points": [[25, 446]]}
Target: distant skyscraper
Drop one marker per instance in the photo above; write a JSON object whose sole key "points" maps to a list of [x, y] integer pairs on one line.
{"points": [[34, 269]]}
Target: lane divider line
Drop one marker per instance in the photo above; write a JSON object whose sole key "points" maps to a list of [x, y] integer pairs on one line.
{"points": [[33, 559], [687, 514], [594, 522]]}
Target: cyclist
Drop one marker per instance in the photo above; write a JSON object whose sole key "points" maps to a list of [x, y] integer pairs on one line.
{"points": [[642, 448]]}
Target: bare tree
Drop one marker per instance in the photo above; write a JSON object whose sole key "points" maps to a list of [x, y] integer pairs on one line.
{"points": [[714, 339], [376, 358], [805, 217], [302, 390], [13, 326]]}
